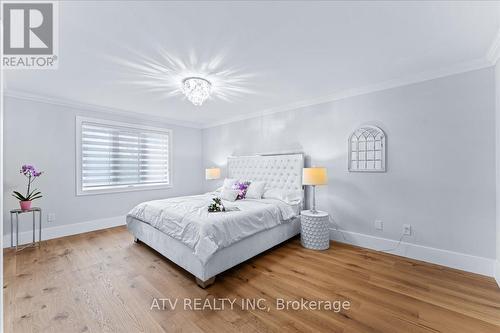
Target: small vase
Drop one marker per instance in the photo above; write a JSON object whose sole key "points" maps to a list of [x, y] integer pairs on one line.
{"points": [[25, 205]]}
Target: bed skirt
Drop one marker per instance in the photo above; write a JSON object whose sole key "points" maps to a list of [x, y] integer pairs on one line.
{"points": [[223, 259]]}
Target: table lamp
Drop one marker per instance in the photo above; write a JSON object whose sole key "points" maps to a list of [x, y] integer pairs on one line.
{"points": [[312, 177], [212, 173]]}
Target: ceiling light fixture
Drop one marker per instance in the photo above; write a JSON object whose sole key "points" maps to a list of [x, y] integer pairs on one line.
{"points": [[196, 89]]}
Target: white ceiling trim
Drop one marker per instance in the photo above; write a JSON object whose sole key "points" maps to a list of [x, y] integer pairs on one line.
{"points": [[425, 76], [22, 95]]}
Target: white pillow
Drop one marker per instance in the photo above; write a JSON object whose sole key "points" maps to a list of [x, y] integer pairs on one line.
{"points": [[274, 193], [255, 190], [295, 195], [229, 182], [284, 195], [229, 195]]}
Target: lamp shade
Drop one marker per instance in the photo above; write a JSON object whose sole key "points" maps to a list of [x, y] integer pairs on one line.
{"points": [[314, 176], [212, 173]]}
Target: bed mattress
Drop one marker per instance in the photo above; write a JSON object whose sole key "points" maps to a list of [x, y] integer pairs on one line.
{"points": [[187, 220]]}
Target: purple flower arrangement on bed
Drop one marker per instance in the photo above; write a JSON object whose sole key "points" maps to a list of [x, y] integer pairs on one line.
{"points": [[242, 187]]}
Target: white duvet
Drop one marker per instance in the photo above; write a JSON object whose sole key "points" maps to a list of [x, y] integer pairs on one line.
{"points": [[188, 220]]}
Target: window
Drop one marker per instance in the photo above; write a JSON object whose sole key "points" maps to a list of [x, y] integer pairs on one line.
{"points": [[367, 150], [115, 157]]}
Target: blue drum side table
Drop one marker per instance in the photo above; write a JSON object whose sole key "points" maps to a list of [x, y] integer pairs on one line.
{"points": [[16, 212]]}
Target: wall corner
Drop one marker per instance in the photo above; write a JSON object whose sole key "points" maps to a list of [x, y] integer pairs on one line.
{"points": [[497, 272]]}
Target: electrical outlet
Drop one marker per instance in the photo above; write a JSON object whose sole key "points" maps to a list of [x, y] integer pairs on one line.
{"points": [[51, 217], [407, 229], [378, 224]]}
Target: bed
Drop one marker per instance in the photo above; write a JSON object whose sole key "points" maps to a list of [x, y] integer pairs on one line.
{"points": [[206, 244]]}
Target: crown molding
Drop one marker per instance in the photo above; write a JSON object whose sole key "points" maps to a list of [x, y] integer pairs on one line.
{"points": [[468, 66], [23, 95]]}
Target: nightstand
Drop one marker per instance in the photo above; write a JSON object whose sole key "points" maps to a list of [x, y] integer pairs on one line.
{"points": [[314, 230]]}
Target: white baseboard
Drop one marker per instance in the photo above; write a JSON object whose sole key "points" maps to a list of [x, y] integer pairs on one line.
{"points": [[465, 262], [497, 271], [26, 237]]}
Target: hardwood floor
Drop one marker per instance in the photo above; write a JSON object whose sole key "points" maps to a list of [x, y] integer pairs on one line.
{"points": [[104, 282]]}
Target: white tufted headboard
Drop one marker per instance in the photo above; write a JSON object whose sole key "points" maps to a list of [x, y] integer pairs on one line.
{"points": [[278, 171]]}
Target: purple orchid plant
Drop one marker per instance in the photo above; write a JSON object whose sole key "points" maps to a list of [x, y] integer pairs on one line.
{"points": [[32, 174]]}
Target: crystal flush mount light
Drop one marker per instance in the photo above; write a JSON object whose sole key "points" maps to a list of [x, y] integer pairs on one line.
{"points": [[196, 89]]}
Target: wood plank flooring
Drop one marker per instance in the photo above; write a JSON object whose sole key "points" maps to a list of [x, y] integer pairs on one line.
{"points": [[103, 282]]}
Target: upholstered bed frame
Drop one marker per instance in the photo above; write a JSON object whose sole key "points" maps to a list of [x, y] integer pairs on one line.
{"points": [[279, 171]]}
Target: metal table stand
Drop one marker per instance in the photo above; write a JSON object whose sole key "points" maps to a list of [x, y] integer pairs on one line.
{"points": [[16, 212]]}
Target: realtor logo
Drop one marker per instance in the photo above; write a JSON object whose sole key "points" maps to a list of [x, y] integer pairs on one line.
{"points": [[29, 35]]}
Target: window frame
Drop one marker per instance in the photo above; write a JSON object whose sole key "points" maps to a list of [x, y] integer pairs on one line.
{"points": [[118, 188]]}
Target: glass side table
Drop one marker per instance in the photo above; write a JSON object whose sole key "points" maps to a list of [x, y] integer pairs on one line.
{"points": [[16, 212]]}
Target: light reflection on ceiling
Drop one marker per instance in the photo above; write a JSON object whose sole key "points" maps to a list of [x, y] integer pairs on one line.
{"points": [[163, 73]]}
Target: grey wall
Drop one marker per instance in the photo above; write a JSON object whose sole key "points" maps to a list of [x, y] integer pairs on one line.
{"points": [[44, 135], [441, 159]]}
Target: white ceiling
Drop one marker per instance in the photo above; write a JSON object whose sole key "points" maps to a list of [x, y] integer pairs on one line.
{"points": [[260, 56]]}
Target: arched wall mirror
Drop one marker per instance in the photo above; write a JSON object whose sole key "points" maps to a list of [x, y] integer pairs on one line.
{"points": [[367, 150]]}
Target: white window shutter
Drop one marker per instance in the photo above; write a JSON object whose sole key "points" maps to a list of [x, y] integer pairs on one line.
{"points": [[114, 156]]}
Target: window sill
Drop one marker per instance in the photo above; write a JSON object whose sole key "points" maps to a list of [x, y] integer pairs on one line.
{"points": [[121, 189]]}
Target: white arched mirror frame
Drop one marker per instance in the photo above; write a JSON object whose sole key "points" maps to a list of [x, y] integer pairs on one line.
{"points": [[367, 149]]}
